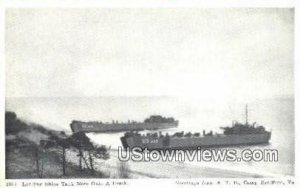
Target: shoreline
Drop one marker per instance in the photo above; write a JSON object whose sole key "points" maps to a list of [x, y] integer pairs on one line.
{"points": [[110, 168]]}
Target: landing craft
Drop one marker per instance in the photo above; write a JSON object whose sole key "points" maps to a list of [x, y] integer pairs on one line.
{"points": [[237, 134], [152, 123]]}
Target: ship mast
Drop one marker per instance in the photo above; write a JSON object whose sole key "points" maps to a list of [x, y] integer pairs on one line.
{"points": [[246, 114]]}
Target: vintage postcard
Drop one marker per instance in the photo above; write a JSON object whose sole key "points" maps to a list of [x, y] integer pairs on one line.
{"points": [[184, 96]]}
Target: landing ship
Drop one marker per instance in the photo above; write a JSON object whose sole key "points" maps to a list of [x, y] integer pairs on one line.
{"points": [[235, 135]]}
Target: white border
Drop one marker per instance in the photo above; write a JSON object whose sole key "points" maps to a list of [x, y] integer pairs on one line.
{"points": [[148, 4]]}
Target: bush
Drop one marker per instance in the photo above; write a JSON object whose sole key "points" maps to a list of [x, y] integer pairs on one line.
{"points": [[12, 124]]}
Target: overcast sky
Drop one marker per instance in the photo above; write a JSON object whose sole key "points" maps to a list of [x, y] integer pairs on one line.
{"points": [[221, 53]]}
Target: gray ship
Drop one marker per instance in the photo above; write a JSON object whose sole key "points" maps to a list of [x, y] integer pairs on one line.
{"points": [[235, 135], [152, 123]]}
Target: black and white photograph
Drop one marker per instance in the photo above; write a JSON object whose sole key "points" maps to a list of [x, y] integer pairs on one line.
{"points": [[149, 93]]}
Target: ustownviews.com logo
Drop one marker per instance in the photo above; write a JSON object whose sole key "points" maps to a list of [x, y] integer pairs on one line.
{"points": [[206, 155]]}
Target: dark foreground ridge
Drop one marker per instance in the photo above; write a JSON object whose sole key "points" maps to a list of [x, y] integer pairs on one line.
{"points": [[33, 151]]}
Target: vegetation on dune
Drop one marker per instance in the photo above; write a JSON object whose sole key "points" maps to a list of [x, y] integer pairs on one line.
{"points": [[12, 124], [39, 144]]}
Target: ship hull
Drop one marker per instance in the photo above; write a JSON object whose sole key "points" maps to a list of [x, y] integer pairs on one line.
{"points": [[165, 143], [107, 127]]}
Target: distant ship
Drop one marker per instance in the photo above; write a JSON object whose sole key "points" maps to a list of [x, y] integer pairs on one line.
{"points": [[237, 134], [151, 123]]}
